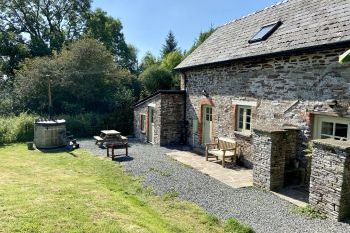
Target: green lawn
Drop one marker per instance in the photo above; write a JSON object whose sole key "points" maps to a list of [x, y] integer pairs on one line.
{"points": [[77, 192]]}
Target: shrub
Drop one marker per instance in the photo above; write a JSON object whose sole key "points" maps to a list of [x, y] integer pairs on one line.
{"points": [[17, 128], [232, 225], [21, 128], [90, 124]]}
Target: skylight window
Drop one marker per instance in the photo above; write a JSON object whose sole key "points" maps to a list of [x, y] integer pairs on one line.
{"points": [[265, 32]]}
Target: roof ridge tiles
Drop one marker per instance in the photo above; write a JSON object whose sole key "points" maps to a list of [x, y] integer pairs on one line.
{"points": [[256, 12]]}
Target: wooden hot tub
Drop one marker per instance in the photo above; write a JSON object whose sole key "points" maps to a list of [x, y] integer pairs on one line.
{"points": [[50, 134]]}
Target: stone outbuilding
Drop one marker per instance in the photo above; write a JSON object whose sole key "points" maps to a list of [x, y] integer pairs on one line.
{"points": [[159, 118], [272, 82]]}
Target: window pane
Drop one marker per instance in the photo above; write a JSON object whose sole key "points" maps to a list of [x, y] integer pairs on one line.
{"points": [[240, 125], [248, 119], [263, 32], [325, 137], [247, 127], [341, 130], [249, 112], [327, 128]]}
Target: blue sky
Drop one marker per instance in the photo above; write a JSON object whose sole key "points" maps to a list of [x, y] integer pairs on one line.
{"points": [[147, 22]]}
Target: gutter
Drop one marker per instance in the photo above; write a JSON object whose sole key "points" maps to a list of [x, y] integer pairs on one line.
{"points": [[290, 52]]}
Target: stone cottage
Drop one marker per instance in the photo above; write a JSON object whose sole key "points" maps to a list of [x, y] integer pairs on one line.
{"points": [[272, 81]]}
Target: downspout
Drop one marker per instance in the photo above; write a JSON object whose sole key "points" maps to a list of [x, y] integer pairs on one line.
{"points": [[184, 140]]}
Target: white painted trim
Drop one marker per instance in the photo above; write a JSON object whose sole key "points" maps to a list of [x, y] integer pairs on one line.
{"points": [[153, 105], [324, 118]]}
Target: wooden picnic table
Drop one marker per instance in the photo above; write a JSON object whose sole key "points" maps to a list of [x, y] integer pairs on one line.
{"points": [[110, 137]]}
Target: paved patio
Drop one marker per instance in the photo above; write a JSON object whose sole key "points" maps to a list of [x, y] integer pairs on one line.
{"points": [[236, 177]]}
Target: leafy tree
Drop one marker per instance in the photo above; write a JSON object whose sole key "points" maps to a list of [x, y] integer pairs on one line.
{"points": [[38, 27], [12, 52], [84, 78], [156, 78], [108, 30], [172, 60], [202, 37], [147, 61], [170, 45]]}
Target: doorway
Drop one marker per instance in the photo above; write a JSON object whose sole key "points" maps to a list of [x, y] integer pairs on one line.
{"points": [[207, 126], [151, 124]]}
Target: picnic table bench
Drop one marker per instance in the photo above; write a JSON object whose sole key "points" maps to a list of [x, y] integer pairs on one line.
{"points": [[110, 137], [223, 148]]}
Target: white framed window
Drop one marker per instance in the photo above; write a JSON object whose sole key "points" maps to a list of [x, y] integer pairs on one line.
{"points": [[244, 118], [143, 123], [332, 127]]}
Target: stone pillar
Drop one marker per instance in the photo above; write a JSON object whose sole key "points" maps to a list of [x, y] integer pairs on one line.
{"points": [[330, 178], [269, 159]]}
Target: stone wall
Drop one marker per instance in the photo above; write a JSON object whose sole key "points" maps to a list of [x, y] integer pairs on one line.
{"points": [[172, 130], [168, 118], [143, 109], [285, 91], [269, 159], [330, 178]]}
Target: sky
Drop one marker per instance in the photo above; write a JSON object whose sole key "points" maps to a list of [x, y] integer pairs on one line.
{"points": [[147, 22]]}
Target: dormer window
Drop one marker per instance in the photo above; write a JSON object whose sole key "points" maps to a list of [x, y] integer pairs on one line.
{"points": [[265, 32]]}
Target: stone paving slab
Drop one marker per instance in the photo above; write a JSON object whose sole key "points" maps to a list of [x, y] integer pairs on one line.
{"points": [[237, 177]]}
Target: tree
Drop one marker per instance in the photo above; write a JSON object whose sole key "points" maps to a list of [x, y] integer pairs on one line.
{"points": [[108, 30], [170, 45], [156, 78], [147, 61], [84, 78], [39, 27], [172, 60], [202, 37]]}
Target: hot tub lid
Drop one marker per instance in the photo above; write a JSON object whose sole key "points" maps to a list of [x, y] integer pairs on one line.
{"points": [[50, 122]]}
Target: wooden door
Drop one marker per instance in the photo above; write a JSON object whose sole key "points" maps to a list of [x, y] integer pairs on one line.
{"points": [[207, 125]]}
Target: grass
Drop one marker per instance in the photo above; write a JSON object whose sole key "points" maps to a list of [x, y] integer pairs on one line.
{"points": [[310, 212], [232, 225], [77, 192], [170, 195]]}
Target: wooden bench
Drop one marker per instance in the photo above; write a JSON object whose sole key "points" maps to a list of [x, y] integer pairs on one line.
{"points": [[224, 148]]}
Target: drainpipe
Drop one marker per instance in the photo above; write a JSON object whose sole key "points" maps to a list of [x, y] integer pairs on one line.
{"points": [[184, 140]]}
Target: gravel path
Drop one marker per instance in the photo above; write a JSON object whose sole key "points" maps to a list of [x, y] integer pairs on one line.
{"points": [[262, 210]]}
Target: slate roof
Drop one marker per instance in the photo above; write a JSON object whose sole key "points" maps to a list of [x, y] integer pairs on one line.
{"points": [[170, 92], [306, 23]]}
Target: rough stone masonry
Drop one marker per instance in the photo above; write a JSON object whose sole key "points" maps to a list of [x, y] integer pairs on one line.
{"points": [[330, 178]]}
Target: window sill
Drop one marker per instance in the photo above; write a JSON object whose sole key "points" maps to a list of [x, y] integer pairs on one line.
{"points": [[243, 134]]}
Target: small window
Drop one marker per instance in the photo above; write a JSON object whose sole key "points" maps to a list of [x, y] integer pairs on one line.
{"points": [[143, 123], [209, 114], [265, 32], [332, 127], [244, 119]]}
